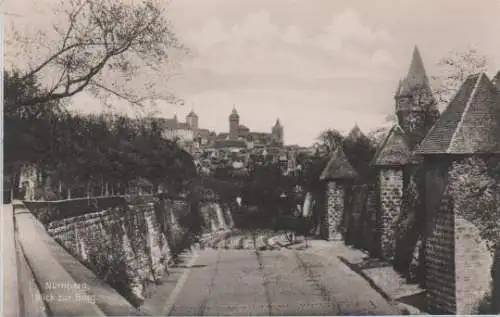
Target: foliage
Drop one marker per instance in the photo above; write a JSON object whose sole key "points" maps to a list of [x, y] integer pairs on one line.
{"points": [[454, 70], [99, 43], [330, 140], [475, 191], [97, 151], [360, 151]]}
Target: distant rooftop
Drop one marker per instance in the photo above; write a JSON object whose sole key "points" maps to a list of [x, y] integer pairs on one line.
{"points": [[229, 143]]}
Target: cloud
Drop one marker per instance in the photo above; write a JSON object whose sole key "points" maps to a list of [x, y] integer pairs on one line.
{"points": [[381, 57], [258, 45], [347, 28]]}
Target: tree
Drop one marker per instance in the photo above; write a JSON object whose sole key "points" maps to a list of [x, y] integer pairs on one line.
{"points": [[360, 151], [100, 43], [329, 140], [454, 70]]}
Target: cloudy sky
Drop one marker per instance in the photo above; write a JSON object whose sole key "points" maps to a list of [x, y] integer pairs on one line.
{"points": [[315, 64]]}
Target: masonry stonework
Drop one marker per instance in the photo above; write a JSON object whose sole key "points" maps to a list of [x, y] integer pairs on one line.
{"points": [[391, 195], [134, 232], [473, 262], [335, 196], [440, 260]]}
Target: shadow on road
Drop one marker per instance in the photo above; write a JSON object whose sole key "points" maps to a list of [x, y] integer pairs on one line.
{"points": [[418, 300]]}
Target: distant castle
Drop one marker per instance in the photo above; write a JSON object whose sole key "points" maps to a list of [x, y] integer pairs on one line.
{"points": [[239, 131], [239, 136]]}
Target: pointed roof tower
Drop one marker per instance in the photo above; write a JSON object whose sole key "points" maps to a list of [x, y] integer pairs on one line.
{"points": [[355, 133], [394, 151], [277, 124], [470, 123], [234, 114], [338, 167], [416, 77]]}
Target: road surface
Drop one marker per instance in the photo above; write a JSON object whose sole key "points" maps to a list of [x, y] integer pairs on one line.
{"points": [[285, 282]]}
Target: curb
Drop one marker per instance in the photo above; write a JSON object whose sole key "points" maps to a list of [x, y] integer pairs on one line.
{"points": [[403, 308]]}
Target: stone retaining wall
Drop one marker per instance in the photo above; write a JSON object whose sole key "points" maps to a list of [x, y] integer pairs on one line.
{"points": [[135, 232]]}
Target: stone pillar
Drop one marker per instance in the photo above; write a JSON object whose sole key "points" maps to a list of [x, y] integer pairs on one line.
{"points": [[391, 198], [335, 195]]}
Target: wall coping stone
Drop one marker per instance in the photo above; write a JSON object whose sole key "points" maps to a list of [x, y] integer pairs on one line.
{"points": [[11, 299]]}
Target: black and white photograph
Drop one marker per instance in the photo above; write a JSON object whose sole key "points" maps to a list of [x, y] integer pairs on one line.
{"points": [[250, 157]]}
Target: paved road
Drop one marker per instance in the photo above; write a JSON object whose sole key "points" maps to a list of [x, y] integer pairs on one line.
{"points": [[286, 282]]}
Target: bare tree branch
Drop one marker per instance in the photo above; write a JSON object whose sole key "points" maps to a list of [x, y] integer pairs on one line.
{"points": [[102, 34]]}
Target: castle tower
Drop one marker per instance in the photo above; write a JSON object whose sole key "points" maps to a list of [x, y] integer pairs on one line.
{"points": [[416, 107], [234, 122], [338, 176], [192, 120], [277, 132], [389, 162]]}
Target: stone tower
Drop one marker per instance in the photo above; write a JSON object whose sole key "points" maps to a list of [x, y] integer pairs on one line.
{"points": [[338, 177], [192, 120], [277, 132], [234, 122], [416, 108], [389, 163]]}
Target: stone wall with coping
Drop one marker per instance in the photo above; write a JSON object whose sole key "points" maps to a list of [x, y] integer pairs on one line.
{"points": [[136, 232]]}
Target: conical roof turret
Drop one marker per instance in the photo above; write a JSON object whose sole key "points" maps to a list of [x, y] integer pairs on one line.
{"points": [[338, 167], [416, 77]]}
